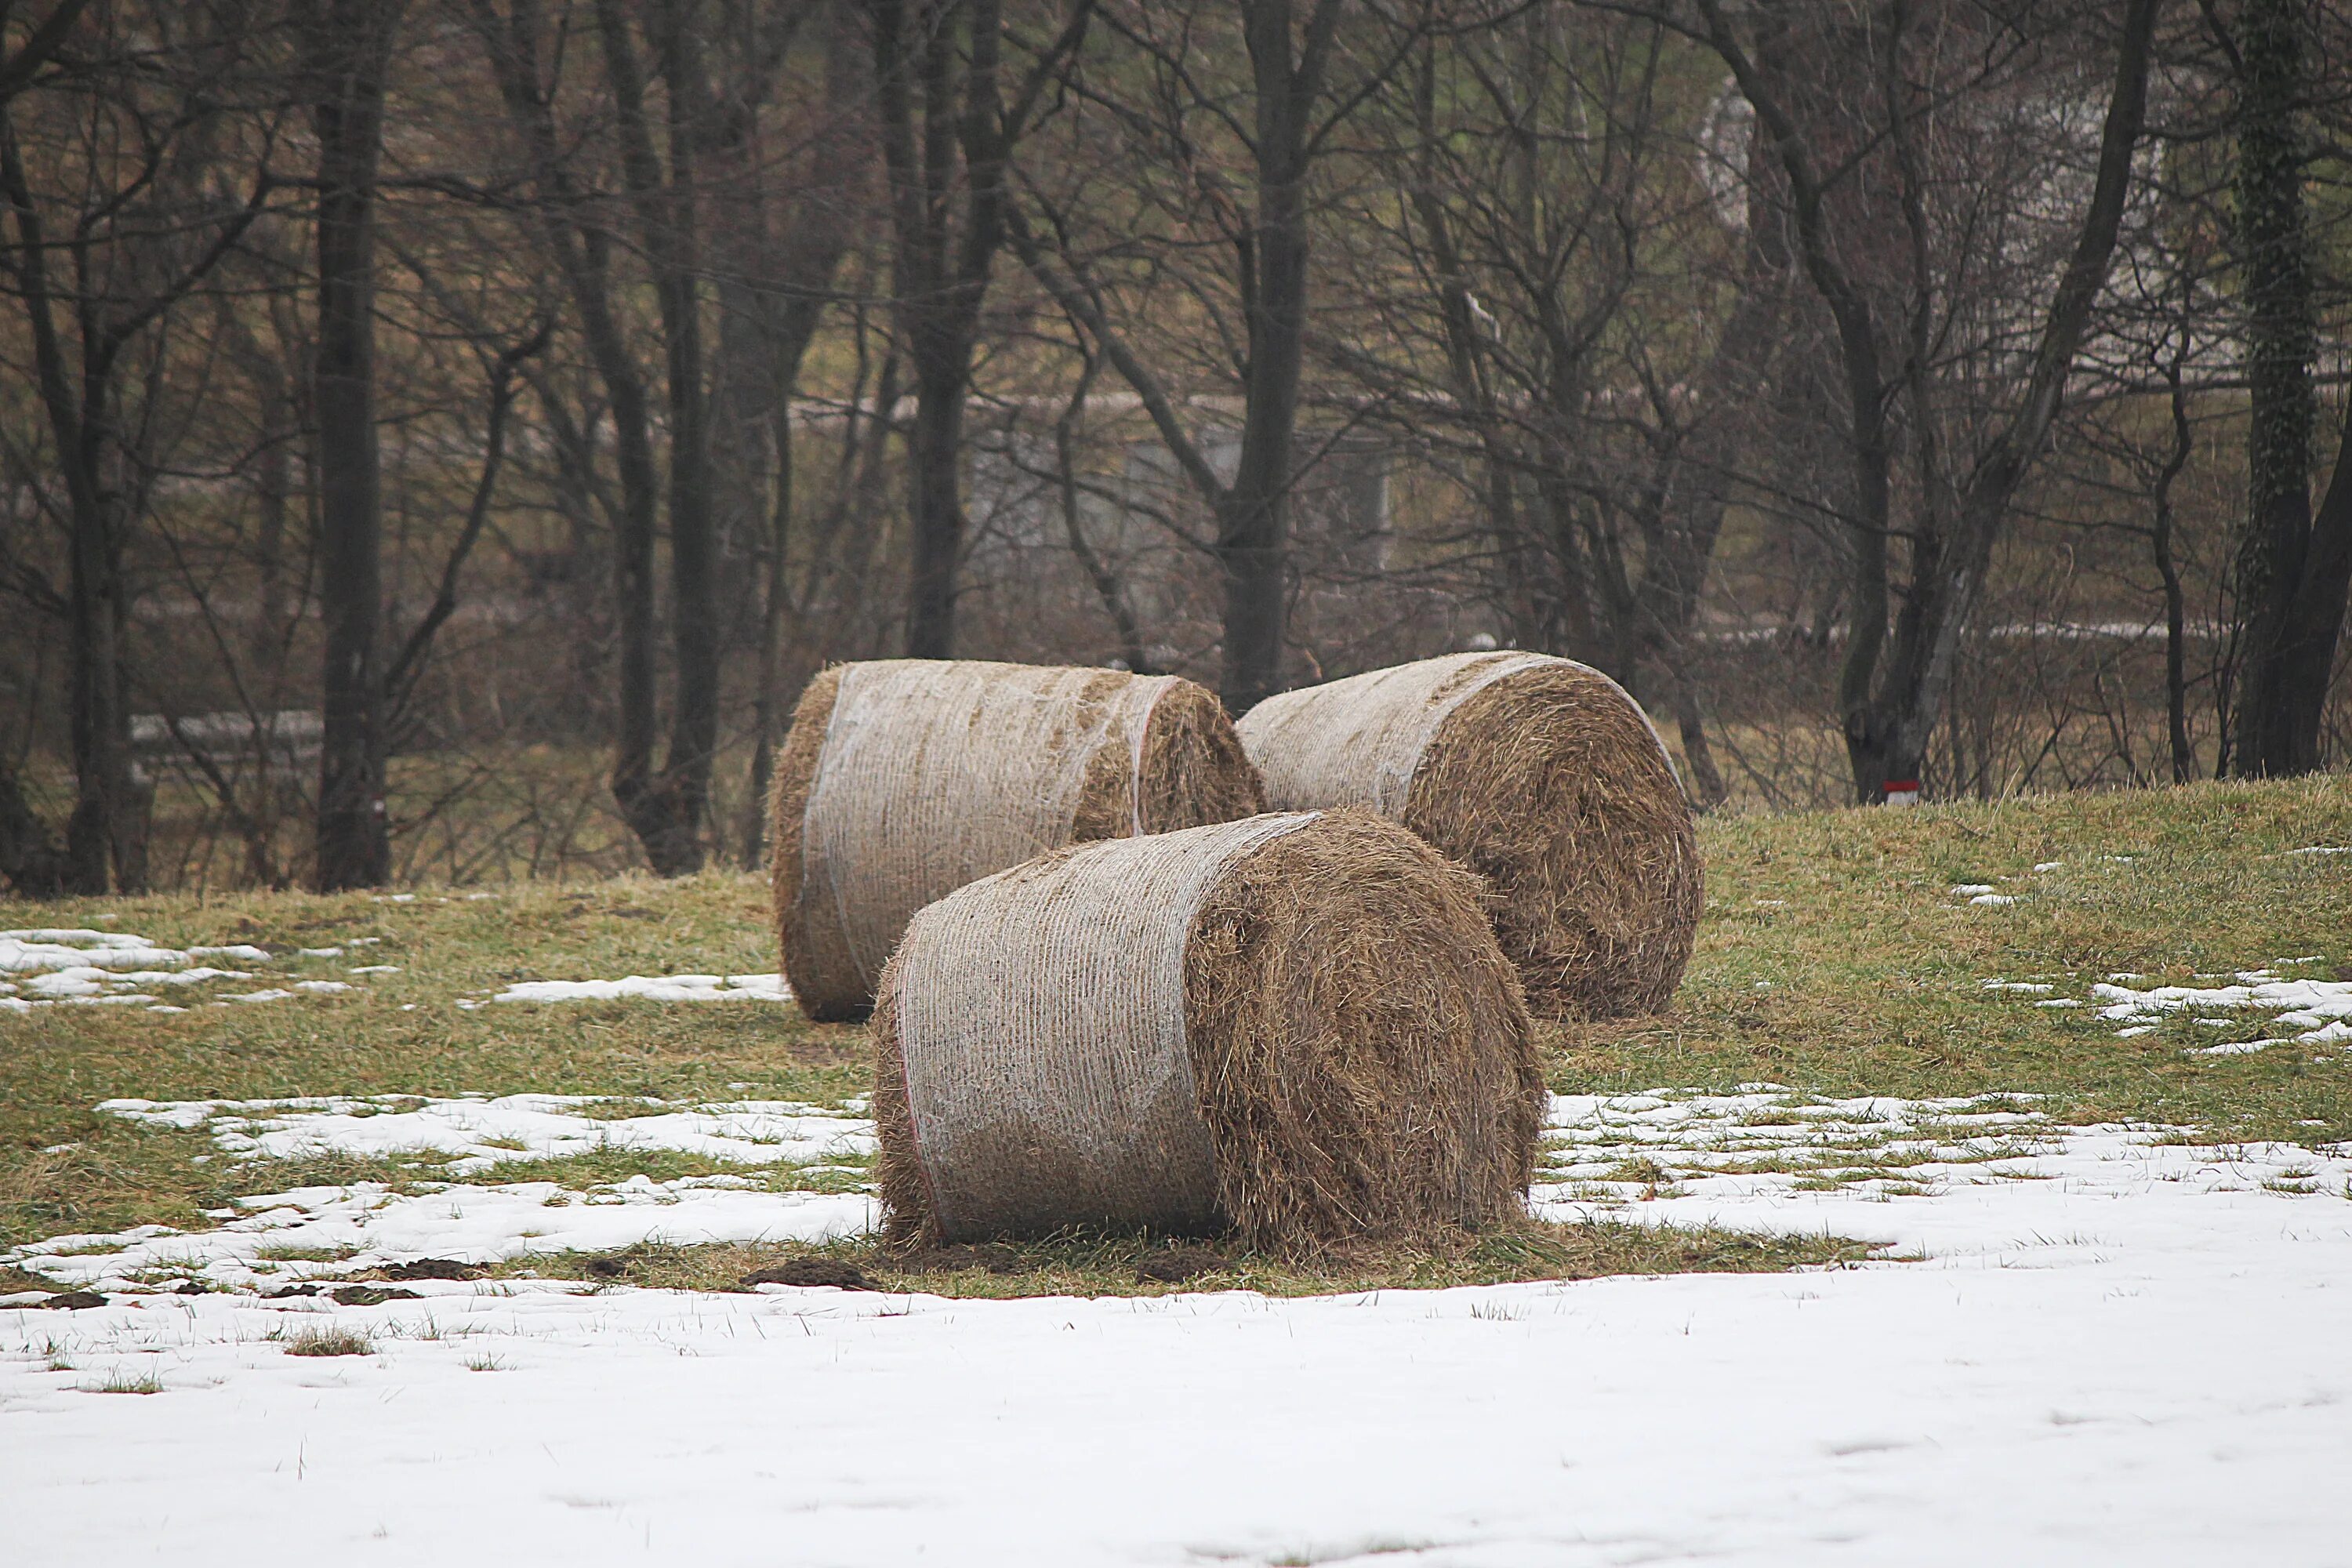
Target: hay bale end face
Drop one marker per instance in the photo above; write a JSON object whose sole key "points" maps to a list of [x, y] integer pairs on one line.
{"points": [[1540, 774], [1297, 1028], [902, 780]]}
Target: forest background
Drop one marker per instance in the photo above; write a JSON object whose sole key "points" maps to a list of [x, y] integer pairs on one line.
{"points": [[443, 437]]}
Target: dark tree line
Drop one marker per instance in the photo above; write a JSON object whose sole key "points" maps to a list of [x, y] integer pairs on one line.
{"points": [[418, 400]]}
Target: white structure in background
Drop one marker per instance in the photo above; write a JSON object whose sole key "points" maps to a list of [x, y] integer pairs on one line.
{"points": [[285, 743]]}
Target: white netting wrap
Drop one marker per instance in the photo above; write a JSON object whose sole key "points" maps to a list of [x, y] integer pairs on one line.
{"points": [[935, 772], [1041, 1025], [1359, 742]]}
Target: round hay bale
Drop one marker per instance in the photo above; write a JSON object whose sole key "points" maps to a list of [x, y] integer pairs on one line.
{"points": [[1540, 774], [903, 779], [1297, 1027]]}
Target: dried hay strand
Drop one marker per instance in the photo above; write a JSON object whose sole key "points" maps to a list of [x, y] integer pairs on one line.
{"points": [[902, 780], [1541, 774], [1297, 1028]]}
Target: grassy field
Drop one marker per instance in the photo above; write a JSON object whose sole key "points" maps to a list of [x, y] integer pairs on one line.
{"points": [[1834, 958]]}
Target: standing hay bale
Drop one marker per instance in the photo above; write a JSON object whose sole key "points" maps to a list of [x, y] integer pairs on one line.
{"points": [[904, 779], [1540, 774], [1297, 1027]]}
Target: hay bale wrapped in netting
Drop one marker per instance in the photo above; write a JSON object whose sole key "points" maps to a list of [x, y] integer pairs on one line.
{"points": [[1297, 1027], [1540, 774], [903, 779]]}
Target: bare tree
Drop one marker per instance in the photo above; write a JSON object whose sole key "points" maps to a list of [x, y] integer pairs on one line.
{"points": [[1554, 219], [2293, 568], [1892, 694], [350, 57], [123, 147], [1189, 110]]}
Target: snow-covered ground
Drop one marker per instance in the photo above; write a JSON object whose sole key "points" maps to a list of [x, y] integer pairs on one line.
{"points": [[2263, 1007], [484, 1133], [2113, 1345], [2319, 1010], [85, 968], [654, 988]]}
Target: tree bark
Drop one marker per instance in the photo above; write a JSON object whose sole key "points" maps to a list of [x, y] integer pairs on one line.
{"points": [[667, 810], [780, 320], [1286, 68], [2289, 640], [2176, 651], [940, 285], [2315, 617], [352, 45], [31, 861], [1253, 513], [97, 828]]}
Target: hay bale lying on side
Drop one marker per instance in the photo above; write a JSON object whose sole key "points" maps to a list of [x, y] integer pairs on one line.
{"points": [[1541, 774], [1297, 1027], [904, 779]]}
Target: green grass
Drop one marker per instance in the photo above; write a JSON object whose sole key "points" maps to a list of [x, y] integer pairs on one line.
{"points": [[56, 1063], [1833, 958], [127, 1382], [1830, 958]]}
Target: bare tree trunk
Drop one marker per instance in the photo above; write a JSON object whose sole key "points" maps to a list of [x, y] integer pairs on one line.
{"points": [[1287, 64], [813, 235], [1764, 77], [1254, 514], [1707, 778], [667, 811], [941, 282], [2315, 619], [30, 860], [2176, 653], [77, 425], [936, 488], [2282, 339], [353, 45]]}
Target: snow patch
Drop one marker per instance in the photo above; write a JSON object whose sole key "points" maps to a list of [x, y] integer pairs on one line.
{"points": [[654, 988], [484, 1133], [2321, 1009]]}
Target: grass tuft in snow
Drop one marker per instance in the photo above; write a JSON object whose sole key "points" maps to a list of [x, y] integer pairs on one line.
{"points": [[122, 1381], [330, 1339]]}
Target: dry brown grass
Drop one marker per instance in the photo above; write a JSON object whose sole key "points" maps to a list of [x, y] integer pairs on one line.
{"points": [[1552, 785], [814, 951], [1360, 1044], [1193, 771]]}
